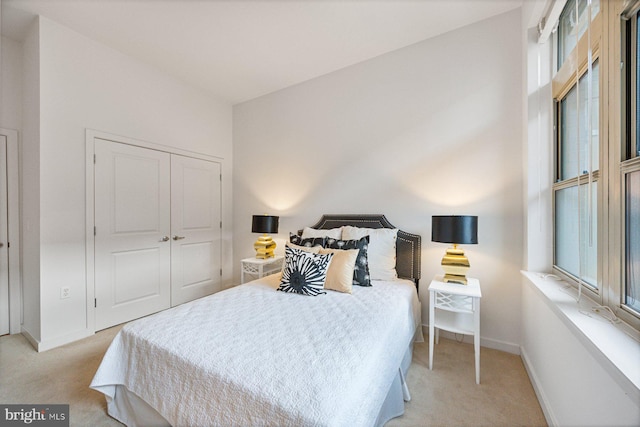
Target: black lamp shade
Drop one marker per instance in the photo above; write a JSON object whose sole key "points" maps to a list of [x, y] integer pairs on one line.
{"points": [[458, 229], [264, 224]]}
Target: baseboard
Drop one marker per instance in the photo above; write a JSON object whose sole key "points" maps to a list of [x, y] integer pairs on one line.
{"points": [[484, 342], [34, 342], [544, 402], [45, 345]]}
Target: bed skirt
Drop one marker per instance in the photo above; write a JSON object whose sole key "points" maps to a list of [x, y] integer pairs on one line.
{"points": [[132, 411]]}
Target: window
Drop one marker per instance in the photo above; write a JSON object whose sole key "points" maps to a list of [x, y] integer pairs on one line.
{"points": [[634, 28], [632, 225], [630, 162], [568, 24], [577, 153], [596, 191], [576, 183]]}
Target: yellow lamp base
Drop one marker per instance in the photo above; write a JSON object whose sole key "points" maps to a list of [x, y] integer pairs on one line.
{"points": [[455, 265], [264, 247]]}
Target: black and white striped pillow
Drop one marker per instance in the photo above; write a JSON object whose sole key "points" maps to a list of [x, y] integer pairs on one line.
{"points": [[308, 242], [304, 272]]}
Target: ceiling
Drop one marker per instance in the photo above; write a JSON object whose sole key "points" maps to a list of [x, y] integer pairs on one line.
{"points": [[239, 50]]}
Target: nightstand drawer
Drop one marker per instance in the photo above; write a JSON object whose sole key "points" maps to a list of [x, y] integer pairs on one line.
{"points": [[258, 267], [451, 302]]}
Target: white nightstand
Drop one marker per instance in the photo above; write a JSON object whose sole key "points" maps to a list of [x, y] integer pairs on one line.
{"points": [[260, 267], [455, 308]]}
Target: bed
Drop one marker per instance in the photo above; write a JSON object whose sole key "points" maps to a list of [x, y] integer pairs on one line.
{"points": [[251, 355]]}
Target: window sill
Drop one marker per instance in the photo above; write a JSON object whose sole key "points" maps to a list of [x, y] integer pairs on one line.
{"points": [[615, 346]]}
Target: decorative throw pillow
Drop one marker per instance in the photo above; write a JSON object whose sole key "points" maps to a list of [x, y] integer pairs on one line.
{"points": [[310, 242], [361, 275], [333, 233], [382, 249], [304, 272], [340, 273], [312, 249]]}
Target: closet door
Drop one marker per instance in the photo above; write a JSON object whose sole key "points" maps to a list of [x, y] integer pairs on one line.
{"points": [[4, 233], [132, 242], [195, 228]]}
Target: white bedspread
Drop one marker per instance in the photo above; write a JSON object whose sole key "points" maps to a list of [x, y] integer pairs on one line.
{"points": [[253, 356]]}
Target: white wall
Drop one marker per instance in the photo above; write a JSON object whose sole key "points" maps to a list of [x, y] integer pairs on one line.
{"points": [[30, 184], [573, 387], [434, 128], [11, 74], [86, 85], [538, 150]]}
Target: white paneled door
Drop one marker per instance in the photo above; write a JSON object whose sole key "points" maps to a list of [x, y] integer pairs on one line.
{"points": [[4, 251], [195, 228], [132, 235], [158, 231]]}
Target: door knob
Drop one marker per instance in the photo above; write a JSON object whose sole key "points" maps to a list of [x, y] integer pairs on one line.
{"points": [[165, 239], [178, 237]]}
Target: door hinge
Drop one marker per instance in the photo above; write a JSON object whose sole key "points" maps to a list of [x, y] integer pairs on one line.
{"points": [[8, 244], [220, 177], [94, 231], [220, 224], [94, 159], [95, 302], [221, 272]]}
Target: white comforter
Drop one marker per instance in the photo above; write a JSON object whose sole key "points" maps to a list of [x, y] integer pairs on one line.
{"points": [[253, 356]]}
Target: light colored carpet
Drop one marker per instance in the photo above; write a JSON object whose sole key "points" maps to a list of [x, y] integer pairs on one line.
{"points": [[446, 396]]}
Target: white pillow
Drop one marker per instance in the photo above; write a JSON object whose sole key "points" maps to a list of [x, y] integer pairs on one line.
{"points": [[381, 251], [332, 233], [340, 273]]}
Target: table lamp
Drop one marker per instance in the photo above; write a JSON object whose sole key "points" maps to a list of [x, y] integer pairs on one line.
{"points": [[265, 245], [459, 230]]}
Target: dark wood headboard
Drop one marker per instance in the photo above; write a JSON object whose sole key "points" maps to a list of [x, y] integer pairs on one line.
{"points": [[408, 249]]}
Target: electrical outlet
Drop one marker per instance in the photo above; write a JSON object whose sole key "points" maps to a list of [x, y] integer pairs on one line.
{"points": [[64, 292]]}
